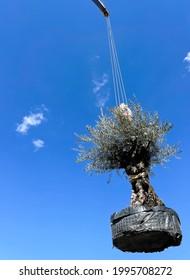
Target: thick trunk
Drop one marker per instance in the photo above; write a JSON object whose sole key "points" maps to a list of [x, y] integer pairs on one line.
{"points": [[142, 191]]}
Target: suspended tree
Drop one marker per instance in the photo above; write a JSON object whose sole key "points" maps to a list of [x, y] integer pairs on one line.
{"points": [[132, 141]]}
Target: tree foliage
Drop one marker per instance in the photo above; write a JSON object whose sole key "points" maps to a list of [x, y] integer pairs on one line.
{"points": [[118, 142]]}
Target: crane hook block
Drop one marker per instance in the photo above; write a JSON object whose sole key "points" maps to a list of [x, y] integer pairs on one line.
{"points": [[102, 7]]}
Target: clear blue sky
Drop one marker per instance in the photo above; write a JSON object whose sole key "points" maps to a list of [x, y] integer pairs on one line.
{"points": [[53, 55]]}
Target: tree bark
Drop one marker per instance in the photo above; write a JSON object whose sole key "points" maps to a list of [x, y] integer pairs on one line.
{"points": [[142, 191]]}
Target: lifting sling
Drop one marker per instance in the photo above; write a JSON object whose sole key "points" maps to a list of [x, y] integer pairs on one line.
{"points": [[119, 89]]}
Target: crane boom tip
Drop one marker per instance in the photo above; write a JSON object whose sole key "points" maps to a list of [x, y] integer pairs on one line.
{"points": [[102, 7], [106, 13]]}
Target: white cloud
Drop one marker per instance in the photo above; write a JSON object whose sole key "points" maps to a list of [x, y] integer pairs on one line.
{"points": [[187, 59], [30, 120], [102, 98], [95, 58], [99, 89], [100, 83], [38, 144]]}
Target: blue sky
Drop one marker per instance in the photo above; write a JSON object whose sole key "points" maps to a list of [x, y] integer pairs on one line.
{"points": [[55, 74]]}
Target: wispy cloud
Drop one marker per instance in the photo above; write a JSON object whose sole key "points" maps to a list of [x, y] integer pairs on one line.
{"points": [[33, 119], [102, 98], [187, 59], [99, 83], [100, 90], [95, 58], [38, 143]]}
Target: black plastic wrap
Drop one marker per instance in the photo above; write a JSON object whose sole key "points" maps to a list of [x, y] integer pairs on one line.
{"points": [[145, 229]]}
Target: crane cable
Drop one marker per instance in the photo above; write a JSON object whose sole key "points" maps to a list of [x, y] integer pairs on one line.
{"points": [[119, 89]]}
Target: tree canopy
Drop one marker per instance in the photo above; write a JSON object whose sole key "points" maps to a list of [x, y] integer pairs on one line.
{"points": [[117, 141]]}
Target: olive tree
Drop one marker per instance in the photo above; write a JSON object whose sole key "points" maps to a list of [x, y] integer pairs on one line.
{"points": [[132, 144]]}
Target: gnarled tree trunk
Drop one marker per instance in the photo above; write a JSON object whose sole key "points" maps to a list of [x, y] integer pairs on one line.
{"points": [[142, 191]]}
